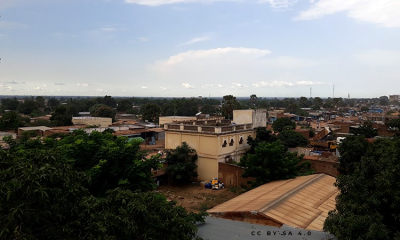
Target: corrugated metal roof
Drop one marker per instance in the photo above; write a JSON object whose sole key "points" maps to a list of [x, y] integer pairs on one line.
{"points": [[302, 202]]}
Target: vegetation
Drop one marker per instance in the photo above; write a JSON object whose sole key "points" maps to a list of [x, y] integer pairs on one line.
{"points": [[181, 164], [61, 116], [292, 139], [365, 130], [85, 187], [283, 124], [12, 121], [268, 160], [368, 205]]}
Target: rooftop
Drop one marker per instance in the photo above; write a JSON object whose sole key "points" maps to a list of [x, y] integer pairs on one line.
{"points": [[302, 202]]}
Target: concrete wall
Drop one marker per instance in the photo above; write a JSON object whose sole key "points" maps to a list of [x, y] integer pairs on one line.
{"points": [[170, 119], [231, 175], [207, 168], [323, 166], [99, 121], [243, 116]]}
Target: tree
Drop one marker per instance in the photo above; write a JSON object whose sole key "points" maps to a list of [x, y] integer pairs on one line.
{"points": [[365, 130], [283, 124], [45, 198], [229, 103], [101, 110], [271, 161], [181, 163], [61, 116], [124, 105], [394, 125], [292, 139], [351, 151], [12, 121], [150, 112], [10, 103], [27, 106], [53, 103], [368, 205], [262, 135], [253, 99], [317, 103], [364, 109], [208, 109]]}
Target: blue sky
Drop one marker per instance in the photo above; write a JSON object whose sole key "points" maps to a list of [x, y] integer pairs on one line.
{"points": [[190, 48]]}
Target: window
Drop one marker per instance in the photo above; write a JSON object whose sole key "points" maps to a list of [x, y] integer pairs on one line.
{"points": [[224, 144], [241, 140], [231, 142]]}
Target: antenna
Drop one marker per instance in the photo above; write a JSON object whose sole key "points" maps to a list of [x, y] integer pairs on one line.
{"points": [[333, 90], [310, 91]]}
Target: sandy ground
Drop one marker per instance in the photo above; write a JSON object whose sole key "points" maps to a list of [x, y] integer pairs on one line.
{"points": [[196, 198]]}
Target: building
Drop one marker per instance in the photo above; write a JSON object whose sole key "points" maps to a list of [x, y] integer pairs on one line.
{"points": [[98, 121], [302, 202], [215, 139], [394, 98]]}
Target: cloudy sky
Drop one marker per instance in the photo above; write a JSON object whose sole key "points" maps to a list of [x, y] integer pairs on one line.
{"points": [[190, 48]]}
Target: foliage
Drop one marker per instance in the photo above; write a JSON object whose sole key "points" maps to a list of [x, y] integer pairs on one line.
{"points": [[181, 163], [124, 105], [394, 125], [27, 106], [209, 109], [61, 116], [12, 121], [368, 206], [364, 109], [102, 110], [365, 130], [53, 103], [10, 103], [150, 112], [271, 161], [229, 103], [283, 124], [110, 162], [292, 139], [262, 135], [45, 198]]}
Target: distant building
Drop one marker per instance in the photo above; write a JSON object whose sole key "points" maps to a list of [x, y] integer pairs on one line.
{"points": [[394, 98], [98, 121]]}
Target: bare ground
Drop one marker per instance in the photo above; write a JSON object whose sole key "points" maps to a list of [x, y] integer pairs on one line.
{"points": [[196, 198]]}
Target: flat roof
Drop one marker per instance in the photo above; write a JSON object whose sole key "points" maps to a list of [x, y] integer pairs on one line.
{"points": [[42, 128], [302, 202]]}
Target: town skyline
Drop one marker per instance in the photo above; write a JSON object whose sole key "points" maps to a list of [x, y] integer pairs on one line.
{"points": [[191, 48]]}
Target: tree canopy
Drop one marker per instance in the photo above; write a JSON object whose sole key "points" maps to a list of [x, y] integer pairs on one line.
{"points": [[61, 116], [281, 124], [85, 186], [368, 205], [181, 163], [292, 139]]}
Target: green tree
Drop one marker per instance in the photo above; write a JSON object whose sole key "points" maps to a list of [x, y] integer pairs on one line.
{"points": [[209, 109], [271, 161], [283, 124], [364, 109], [292, 139], [52, 103], [229, 103], [368, 205], [150, 112], [101, 110], [365, 130], [253, 99], [45, 198], [61, 116], [262, 135], [317, 103], [124, 105], [10, 103], [394, 125], [12, 121], [181, 164], [27, 106]]}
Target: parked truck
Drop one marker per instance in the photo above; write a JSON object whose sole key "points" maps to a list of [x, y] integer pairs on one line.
{"points": [[321, 144]]}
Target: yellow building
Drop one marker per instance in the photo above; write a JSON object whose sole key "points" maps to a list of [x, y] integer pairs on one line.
{"points": [[215, 139], [98, 121]]}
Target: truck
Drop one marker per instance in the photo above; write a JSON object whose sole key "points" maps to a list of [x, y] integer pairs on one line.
{"points": [[321, 144]]}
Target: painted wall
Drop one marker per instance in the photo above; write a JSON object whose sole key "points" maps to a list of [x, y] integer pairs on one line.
{"points": [[99, 121]]}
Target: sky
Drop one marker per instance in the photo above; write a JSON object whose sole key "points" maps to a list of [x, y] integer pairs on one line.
{"points": [[209, 48]]}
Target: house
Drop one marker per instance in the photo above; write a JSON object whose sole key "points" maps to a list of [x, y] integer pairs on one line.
{"points": [[215, 139]]}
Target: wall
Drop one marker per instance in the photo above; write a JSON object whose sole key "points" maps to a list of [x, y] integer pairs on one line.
{"points": [[99, 121], [243, 116], [207, 168], [323, 166], [170, 119], [231, 175]]}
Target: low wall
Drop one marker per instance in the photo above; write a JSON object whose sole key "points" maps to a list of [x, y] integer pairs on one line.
{"points": [[231, 175]]}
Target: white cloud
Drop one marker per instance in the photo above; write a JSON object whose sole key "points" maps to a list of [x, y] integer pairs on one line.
{"points": [[100, 90], [238, 85], [196, 40], [207, 86], [162, 2], [212, 54], [86, 84], [275, 83], [280, 4], [144, 87], [164, 88], [108, 29], [220, 86], [39, 89], [143, 39], [379, 58], [383, 12], [187, 86], [5, 24]]}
